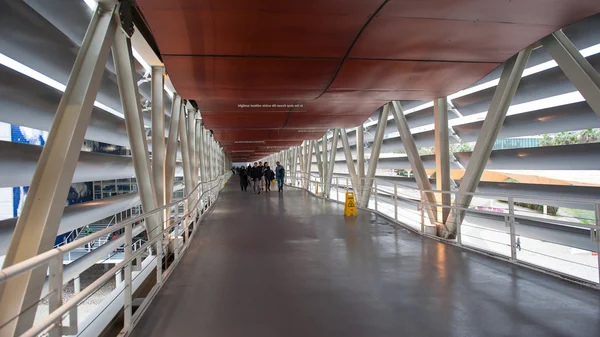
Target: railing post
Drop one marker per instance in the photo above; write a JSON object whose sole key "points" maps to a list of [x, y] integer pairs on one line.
{"points": [[56, 292], [186, 225], [127, 293], [159, 257], [459, 223], [511, 225], [598, 237], [422, 209], [396, 202], [375, 192], [337, 188]]}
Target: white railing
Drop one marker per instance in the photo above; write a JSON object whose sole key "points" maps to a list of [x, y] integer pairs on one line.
{"points": [[182, 217], [497, 226]]}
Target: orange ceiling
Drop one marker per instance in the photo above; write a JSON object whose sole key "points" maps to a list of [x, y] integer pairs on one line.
{"points": [[311, 65]]}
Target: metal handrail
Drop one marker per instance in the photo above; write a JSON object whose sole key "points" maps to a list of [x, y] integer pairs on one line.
{"points": [[55, 316], [41, 259]]}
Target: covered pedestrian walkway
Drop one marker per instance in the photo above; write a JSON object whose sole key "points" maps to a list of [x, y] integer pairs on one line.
{"points": [[293, 265]]}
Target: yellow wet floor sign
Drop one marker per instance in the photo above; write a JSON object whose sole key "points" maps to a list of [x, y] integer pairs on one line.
{"points": [[350, 206]]}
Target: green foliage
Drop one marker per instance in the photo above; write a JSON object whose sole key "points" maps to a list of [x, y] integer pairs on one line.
{"points": [[552, 210], [402, 173], [510, 180], [570, 138], [462, 147]]}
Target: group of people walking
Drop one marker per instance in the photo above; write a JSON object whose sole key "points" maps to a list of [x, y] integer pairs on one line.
{"points": [[260, 176]]}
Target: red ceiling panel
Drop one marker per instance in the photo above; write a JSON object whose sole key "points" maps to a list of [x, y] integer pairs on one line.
{"points": [[338, 7], [246, 121], [539, 12], [226, 54], [380, 95], [249, 73], [299, 120], [409, 75], [255, 33], [337, 107], [389, 37]]}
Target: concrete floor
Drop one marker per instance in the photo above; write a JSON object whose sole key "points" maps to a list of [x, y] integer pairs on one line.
{"points": [[290, 265]]}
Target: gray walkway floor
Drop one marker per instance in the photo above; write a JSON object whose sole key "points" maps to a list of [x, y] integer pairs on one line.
{"points": [[290, 265]]}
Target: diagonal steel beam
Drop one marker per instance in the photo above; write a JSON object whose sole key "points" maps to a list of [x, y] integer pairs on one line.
{"points": [[414, 158], [360, 153], [350, 163], [375, 151], [134, 122], [158, 134], [331, 163], [38, 224], [172, 142], [505, 91], [579, 71]]}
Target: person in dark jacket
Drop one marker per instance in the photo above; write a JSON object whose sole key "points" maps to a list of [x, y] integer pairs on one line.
{"points": [[256, 174], [280, 175], [269, 176], [243, 178]]}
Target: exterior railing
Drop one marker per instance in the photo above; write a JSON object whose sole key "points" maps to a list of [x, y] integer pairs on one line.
{"points": [[563, 246], [179, 222]]}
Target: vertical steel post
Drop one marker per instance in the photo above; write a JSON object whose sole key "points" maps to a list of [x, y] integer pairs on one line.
{"points": [[597, 216], [505, 91], [191, 136], [375, 193], [171, 157], [55, 293], [374, 158], [37, 225], [331, 164], [134, 123], [319, 159], [158, 134], [511, 225], [442, 157], [396, 202], [127, 291], [202, 152], [360, 153], [185, 154]]}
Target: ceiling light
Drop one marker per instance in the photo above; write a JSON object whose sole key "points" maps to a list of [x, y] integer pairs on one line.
{"points": [[249, 141]]}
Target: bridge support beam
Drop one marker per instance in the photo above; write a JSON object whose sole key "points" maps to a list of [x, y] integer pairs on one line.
{"points": [[38, 224], [331, 163], [442, 158], [360, 154], [123, 59], [172, 142], [375, 151], [414, 158], [505, 91], [350, 163], [579, 71], [158, 134]]}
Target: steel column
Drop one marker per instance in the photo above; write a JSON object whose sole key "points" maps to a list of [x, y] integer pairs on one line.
{"points": [[375, 151], [414, 158], [350, 163], [134, 122], [324, 159], [202, 152], [505, 91], [360, 153], [38, 223], [172, 142], [191, 136], [158, 134], [579, 71], [331, 164], [185, 154], [442, 157]]}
